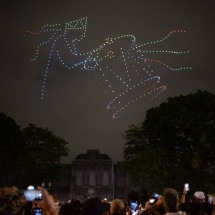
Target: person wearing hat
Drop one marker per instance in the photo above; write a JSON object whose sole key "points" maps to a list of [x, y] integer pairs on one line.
{"points": [[204, 206], [199, 196]]}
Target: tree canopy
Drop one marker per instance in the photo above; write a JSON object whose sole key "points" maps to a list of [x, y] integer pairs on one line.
{"points": [[174, 144], [9, 133], [29, 155], [41, 152]]}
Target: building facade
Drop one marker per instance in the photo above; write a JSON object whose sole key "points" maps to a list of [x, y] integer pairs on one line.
{"points": [[93, 174]]}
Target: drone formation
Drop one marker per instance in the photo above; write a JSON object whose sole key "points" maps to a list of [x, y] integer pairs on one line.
{"points": [[122, 66]]}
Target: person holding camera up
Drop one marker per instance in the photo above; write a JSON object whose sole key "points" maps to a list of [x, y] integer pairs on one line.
{"points": [[13, 202]]}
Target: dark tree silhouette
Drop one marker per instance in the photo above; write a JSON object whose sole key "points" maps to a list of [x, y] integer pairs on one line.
{"points": [[30, 155], [175, 143]]}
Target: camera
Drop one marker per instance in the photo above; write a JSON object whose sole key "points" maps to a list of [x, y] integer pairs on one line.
{"points": [[32, 194], [186, 186]]}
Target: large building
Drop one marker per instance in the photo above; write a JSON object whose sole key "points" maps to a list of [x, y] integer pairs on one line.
{"points": [[93, 174]]}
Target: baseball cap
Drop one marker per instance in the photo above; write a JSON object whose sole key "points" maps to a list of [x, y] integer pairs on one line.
{"points": [[199, 195]]}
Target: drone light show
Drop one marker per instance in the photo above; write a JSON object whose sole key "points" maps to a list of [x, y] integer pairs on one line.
{"points": [[125, 68]]}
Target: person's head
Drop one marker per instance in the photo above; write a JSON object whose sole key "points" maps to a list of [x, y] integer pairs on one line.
{"points": [[207, 208], [171, 200], [117, 207], [70, 209], [199, 196], [92, 206], [12, 201], [144, 197], [144, 191]]}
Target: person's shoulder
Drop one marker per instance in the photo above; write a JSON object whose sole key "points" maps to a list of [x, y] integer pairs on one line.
{"points": [[207, 207]]}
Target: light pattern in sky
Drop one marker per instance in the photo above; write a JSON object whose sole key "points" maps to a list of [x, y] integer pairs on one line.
{"points": [[120, 64]]}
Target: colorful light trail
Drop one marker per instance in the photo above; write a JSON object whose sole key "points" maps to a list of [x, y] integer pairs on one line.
{"points": [[122, 66]]}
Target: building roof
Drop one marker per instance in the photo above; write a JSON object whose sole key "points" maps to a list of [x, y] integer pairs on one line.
{"points": [[92, 154]]}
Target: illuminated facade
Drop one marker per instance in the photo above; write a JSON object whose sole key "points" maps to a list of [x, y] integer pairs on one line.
{"points": [[93, 175]]}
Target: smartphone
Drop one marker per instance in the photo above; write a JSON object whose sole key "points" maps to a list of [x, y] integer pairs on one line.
{"points": [[37, 211], [156, 196], [187, 186], [32, 195], [210, 200], [151, 201], [133, 206]]}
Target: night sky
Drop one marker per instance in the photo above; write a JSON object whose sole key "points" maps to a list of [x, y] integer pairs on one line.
{"points": [[75, 101]]}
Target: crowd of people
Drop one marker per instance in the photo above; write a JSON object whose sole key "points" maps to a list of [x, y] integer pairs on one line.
{"points": [[14, 202]]}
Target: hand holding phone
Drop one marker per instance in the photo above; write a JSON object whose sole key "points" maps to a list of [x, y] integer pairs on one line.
{"points": [[47, 203], [133, 205]]}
